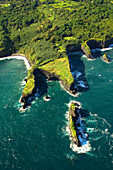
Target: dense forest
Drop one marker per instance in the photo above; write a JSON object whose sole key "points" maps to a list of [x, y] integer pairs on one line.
{"points": [[42, 29]]}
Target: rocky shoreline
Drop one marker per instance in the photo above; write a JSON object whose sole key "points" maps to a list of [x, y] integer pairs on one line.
{"points": [[90, 45], [86, 49], [105, 58], [25, 99], [50, 76], [76, 125]]}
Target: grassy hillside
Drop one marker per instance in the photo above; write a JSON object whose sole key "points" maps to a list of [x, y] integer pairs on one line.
{"points": [[61, 68], [42, 29], [56, 23]]}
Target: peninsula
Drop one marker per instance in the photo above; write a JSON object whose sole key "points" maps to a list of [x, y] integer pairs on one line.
{"points": [[46, 31]]}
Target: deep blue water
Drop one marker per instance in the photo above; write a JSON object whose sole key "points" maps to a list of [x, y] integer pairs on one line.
{"points": [[37, 139]]}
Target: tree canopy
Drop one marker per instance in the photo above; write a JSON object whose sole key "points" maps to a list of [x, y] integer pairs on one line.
{"points": [[42, 29]]}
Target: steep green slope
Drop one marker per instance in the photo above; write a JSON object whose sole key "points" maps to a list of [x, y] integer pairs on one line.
{"points": [[42, 29], [56, 22]]}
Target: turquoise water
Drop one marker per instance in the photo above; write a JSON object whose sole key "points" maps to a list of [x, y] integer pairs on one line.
{"points": [[37, 139]]}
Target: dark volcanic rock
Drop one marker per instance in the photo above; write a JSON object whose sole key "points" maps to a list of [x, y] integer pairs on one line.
{"points": [[51, 76]]}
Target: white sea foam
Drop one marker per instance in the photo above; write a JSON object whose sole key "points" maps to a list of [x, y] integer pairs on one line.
{"points": [[66, 131], [103, 49], [76, 73], [82, 84], [73, 101], [89, 59], [90, 130], [84, 149], [19, 58], [21, 110], [106, 49], [111, 135], [76, 95]]}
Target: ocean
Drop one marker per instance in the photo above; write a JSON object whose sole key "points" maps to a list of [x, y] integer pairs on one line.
{"points": [[38, 139]]}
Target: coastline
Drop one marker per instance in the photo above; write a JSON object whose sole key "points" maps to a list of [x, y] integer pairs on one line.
{"points": [[48, 75], [67, 91], [103, 49], [18, 57]]}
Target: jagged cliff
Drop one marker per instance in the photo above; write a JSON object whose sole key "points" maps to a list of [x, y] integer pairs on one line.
{"points": [[50, 72], [39, 75], [87, 46]]}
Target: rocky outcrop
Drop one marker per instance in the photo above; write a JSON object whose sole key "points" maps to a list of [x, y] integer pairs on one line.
{"points": [[87, 46], [105, 58], [50, 76], [40, 86], [76, 125], [73, 116], [39, 76], [99, 43]]}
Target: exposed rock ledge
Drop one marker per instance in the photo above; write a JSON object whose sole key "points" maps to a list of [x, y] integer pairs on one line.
{"points": [[51, 76], [87, 46], [25, 99]]}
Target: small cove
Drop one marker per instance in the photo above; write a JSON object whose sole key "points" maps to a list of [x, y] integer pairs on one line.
{"points": [[37, 139]]}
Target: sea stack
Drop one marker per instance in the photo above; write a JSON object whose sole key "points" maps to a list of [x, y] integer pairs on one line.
{"points": [[105, 58], [76, 126]]}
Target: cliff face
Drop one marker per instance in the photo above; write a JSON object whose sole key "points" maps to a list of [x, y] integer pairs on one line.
{"points": [[105, 58], [87, 46], [39, 81], [51, 76], [99, 43], [39, 88], [72, 124]]}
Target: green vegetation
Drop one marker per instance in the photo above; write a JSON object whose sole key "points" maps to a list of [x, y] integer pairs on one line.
{"points": [[29, 23], [42, 29], [6, 45], [30, 82], [105, 57], [72, 107], [72, 128], [60, 67], [86, 49], [4, 5]]}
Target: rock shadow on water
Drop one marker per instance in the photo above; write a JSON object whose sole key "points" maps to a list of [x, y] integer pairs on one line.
{"points": [[39, 90], [78, 128], [105, 55], [77, 68]]}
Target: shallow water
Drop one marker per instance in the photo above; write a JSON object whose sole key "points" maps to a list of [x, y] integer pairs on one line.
{"points": [[38, 138]]}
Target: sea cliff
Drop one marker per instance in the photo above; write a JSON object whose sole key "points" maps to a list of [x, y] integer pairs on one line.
{"points": [[59, 69], [76, 125], [37, 75], [89, 45]]}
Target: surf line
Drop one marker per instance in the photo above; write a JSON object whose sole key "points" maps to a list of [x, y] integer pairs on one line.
{"points": [[19, 57]]}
